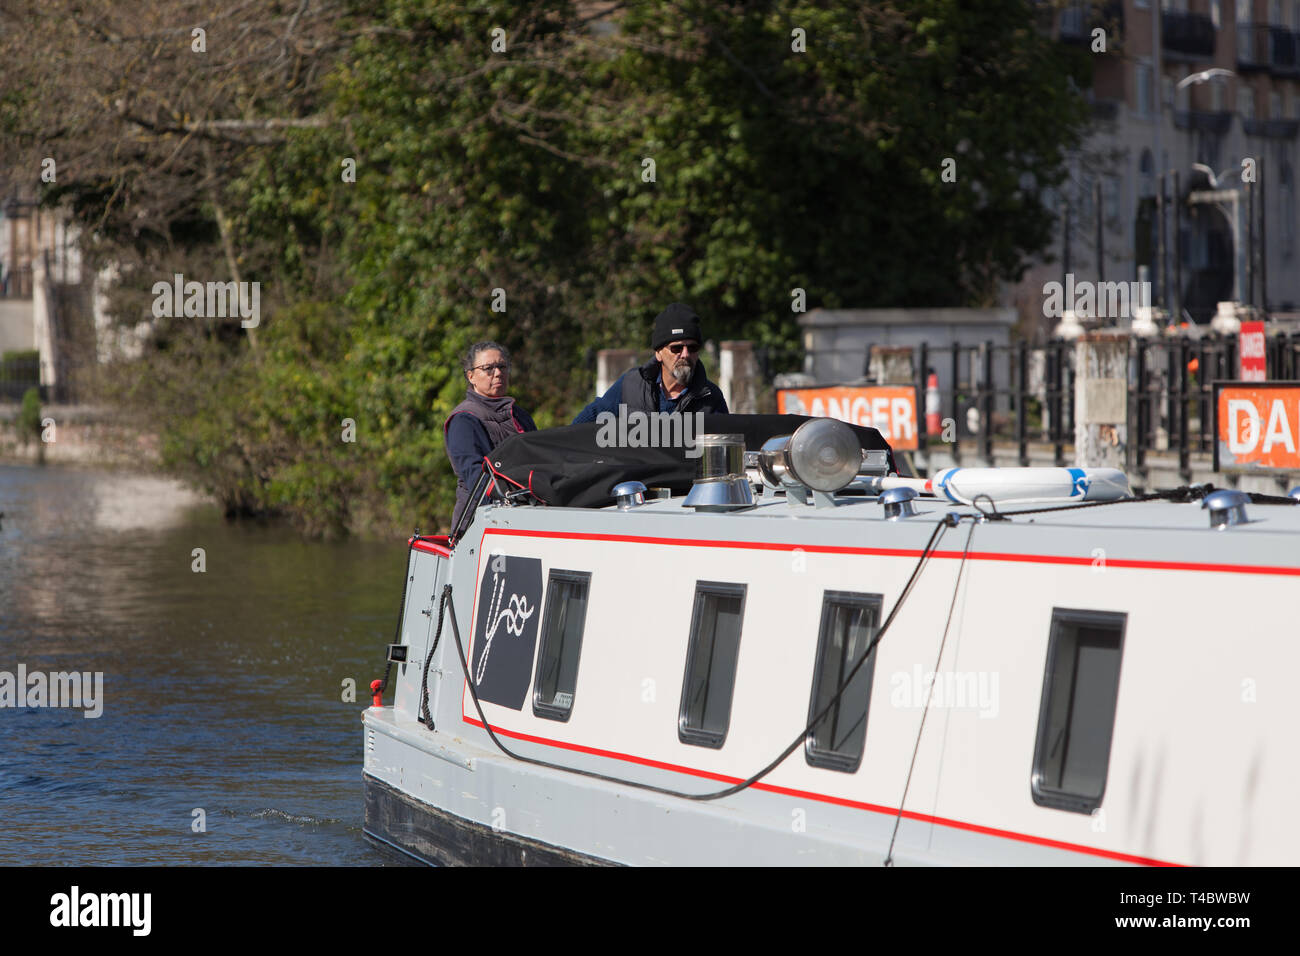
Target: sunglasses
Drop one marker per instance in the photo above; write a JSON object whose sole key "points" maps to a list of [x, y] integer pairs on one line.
{"points": [[677, 347]]}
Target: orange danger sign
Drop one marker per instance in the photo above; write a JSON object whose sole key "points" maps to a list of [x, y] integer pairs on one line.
{"points": [[891, 409], [1257, 426]]}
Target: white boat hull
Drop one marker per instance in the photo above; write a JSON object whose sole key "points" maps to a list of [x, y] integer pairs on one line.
{"points": [[1199, 769]]}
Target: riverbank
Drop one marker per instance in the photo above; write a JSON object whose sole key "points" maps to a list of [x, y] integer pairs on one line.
{"points": [[100, 438], [88, 435]]}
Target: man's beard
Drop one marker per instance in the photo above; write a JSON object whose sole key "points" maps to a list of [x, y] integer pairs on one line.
{"points": [[682, 372]]}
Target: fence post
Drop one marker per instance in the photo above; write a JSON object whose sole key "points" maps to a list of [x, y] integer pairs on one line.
{"points": [[1171, 397], [1101, 400], [1142, 402], [738, 376], [1055, 380], [1022, 399], [1184, 453], [987, 403], [610, 364], [956, 405], [1070, 412], [922, 374]]}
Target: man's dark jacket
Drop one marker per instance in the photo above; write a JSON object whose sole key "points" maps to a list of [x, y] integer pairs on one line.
{"points": [[640, 388]]}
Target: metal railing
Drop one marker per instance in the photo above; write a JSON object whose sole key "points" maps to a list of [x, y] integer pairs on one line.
{"points": [[1192, 34], [1021, 411], [1263, 46], [17, 375], [1170, 393], [16, 283]]}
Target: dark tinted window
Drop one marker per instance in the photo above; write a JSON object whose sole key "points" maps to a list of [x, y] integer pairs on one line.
{"points": [[849, 622], [1076, 716], [711, 663], [557, 661]]}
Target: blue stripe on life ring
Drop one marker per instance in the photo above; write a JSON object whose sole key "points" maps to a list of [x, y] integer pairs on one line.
{"points": [[1081, 482], [943, 486]]}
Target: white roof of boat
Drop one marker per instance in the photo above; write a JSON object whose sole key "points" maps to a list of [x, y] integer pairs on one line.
{"points": [[1156, 514]]}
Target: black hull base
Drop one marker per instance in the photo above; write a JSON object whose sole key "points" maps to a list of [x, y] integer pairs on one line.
{"points": [[434, 836]]}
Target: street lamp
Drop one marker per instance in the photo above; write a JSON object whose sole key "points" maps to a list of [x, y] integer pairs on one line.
{"points": [[1174, 301], [1225, 320]]}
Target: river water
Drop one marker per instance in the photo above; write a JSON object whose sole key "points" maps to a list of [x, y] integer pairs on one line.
{"points": [[222, 688]]}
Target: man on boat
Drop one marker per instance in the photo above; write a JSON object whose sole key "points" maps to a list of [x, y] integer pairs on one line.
{"points": [[673, 381]]}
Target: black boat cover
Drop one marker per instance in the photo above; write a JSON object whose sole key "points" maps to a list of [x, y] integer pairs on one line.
{"points": [[566, 467]]}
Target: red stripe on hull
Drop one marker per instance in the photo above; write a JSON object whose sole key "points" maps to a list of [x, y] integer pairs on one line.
{"points": [[827, 798]]}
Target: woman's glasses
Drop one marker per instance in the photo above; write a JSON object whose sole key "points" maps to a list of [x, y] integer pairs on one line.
{"points": [[501, 367], [677, 347]]}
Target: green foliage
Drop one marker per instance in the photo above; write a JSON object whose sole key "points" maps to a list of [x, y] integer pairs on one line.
{"points": [[29, 416], [523, 171]]}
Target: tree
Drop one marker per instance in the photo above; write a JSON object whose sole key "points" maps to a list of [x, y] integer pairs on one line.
{"points": [[411, 175]]}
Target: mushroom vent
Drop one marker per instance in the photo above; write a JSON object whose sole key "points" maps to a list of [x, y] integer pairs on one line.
{"points": [[1226, 508], [629, 495], [897, 503]]}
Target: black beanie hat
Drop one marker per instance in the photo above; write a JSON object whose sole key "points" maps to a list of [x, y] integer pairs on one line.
{"points": [[678, 321]]}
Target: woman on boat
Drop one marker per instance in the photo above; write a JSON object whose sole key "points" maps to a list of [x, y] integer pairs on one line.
{"points": [[486, 418]]}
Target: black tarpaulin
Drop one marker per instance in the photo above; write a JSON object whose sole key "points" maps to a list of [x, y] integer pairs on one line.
{"points": [[566, 466]]}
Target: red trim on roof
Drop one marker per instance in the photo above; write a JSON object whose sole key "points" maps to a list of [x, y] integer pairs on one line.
{"points": [[903, 552]]}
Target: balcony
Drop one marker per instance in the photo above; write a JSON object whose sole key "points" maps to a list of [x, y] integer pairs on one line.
{"points": [[1080, 18], [1281, 50], [1189, 34], [1217, 123], [16, 283], [1264, 47], [1270, 128]]}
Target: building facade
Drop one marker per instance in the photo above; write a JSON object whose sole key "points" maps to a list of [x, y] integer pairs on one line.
{"points": [[1187, 178]]}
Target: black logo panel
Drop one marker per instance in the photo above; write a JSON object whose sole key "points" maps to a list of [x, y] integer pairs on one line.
{"points": [[505, 633]]}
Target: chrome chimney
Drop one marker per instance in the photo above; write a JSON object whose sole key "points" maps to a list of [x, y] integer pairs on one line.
{"points": [[720, 480]]}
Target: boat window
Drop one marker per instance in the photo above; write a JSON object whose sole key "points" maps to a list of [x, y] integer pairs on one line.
{"points": [[1076, 716], [557, 661], [711, 663], [849, 622]]}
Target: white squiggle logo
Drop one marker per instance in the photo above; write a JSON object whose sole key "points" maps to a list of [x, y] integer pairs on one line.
{"points": [[515, 616]]}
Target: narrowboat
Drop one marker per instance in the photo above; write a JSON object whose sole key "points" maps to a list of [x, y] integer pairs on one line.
{"points": [[770, 649]]}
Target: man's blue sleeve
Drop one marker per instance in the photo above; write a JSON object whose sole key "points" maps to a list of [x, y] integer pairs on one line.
{"points": [[608, 402], [467, 443]]}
